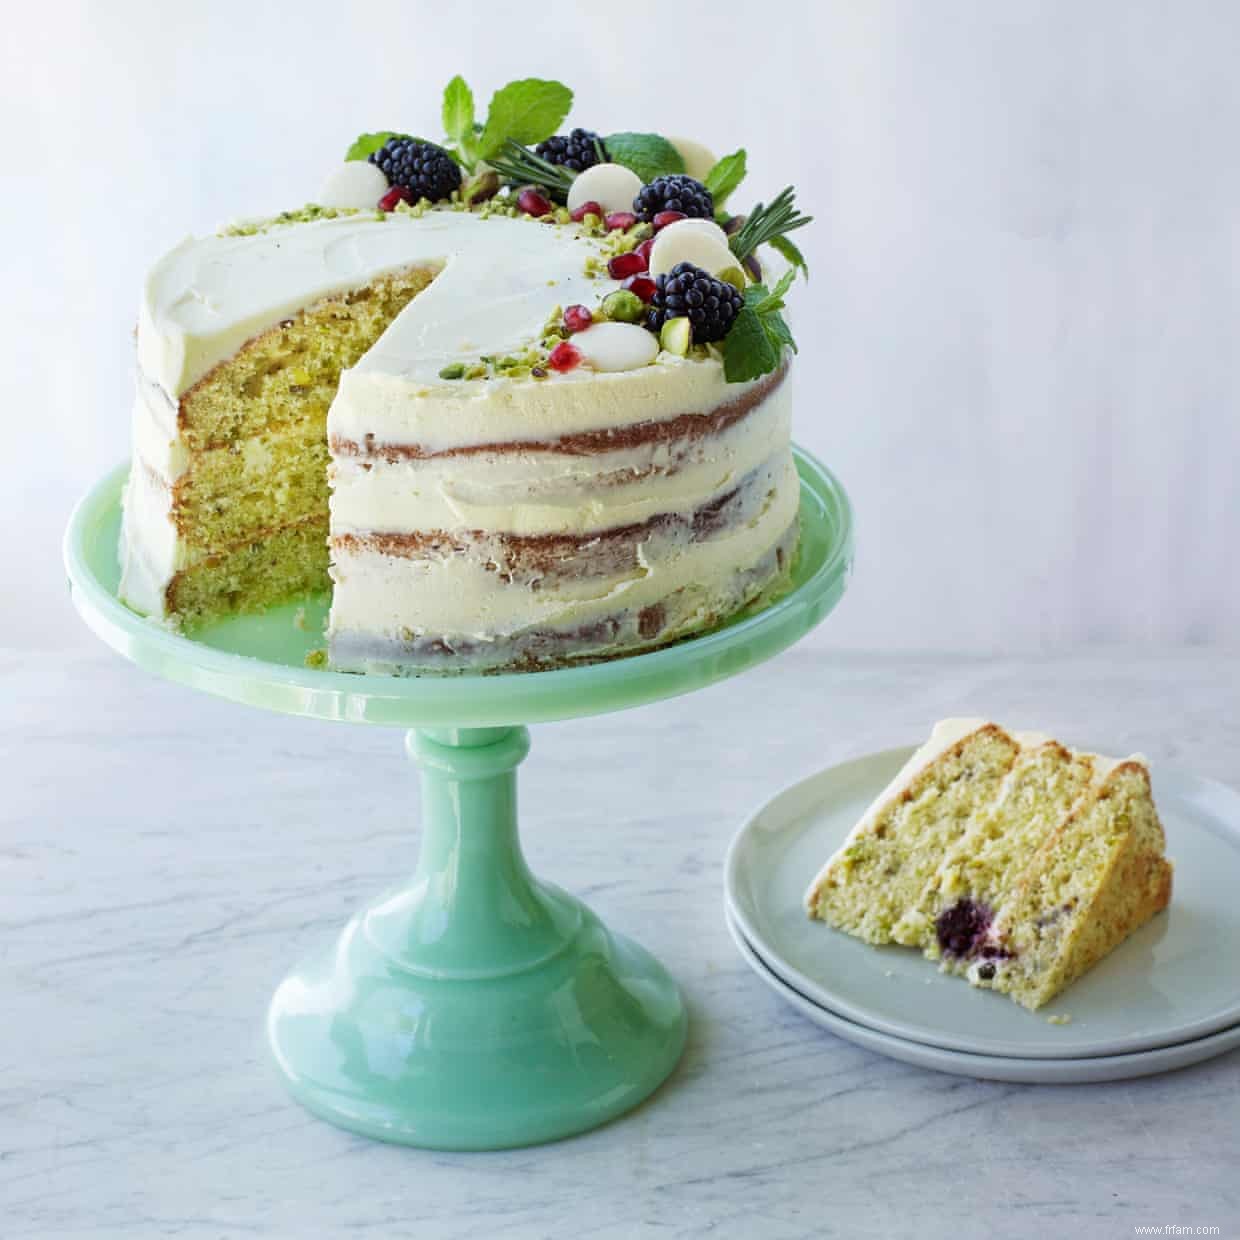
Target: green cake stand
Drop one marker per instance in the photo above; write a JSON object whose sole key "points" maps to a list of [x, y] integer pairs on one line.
{"points": [[474, 1007]]}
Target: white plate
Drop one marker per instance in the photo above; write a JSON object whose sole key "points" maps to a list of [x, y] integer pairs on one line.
{"points": [[1176, 979], [995, 1067]]}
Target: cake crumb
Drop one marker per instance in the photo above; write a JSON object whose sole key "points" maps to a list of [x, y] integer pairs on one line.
{"points": [[299, 619], [1059, 1019]]}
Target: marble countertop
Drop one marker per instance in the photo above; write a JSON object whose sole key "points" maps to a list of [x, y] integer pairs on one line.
{"points": [[165, 857]]}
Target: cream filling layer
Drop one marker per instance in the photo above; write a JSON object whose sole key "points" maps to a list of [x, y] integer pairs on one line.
{"points": [[456, 596], [551, 493], [393, 410]]}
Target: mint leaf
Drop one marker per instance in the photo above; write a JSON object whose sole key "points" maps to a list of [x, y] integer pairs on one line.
{"points": [[767, 301], [784, 246], [458, 111], [369, 143], [748, 350], [647, 154], [725, 176], [526, 111], [777, 327], [755, 345]]}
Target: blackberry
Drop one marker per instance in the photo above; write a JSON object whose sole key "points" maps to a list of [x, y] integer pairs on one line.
{"points": [[675, 192], [577, 151], [710, 305], [424, 169], [962, 927]]}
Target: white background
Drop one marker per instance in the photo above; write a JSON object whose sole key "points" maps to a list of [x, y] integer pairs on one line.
{"points": [[1018, 345]]}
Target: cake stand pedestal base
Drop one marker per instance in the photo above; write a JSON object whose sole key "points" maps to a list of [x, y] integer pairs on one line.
{"points": [[475, 1008]]}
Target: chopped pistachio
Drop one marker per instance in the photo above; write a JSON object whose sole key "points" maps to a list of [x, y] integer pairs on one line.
{"points": [[455, 370], [623, 306]]}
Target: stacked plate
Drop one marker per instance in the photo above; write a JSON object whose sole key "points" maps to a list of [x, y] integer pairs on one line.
{"points": [[1169, 996]]}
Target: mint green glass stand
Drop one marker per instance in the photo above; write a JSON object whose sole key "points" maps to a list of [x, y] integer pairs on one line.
{"points": [[475, 1007]]}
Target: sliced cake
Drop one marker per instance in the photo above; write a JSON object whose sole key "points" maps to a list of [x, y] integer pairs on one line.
{"points": [[1011, 859]]}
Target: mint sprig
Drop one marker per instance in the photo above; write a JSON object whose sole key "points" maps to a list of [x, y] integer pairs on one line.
{"points": [[755, 344], [368, 143], [647, 154], [725, 176], [525, 111]]}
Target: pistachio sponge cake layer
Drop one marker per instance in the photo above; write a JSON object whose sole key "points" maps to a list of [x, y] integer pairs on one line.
{"points": [[1011, 859]]}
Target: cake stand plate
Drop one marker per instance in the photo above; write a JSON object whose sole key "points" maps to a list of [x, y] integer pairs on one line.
{"points": [[475, 1006]]}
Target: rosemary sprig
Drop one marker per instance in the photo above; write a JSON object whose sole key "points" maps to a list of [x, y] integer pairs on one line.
{"points": [[766, 224], [518, 165]]}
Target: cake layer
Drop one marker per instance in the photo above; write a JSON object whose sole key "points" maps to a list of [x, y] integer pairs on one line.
{"points": [[276, 565], [490, 590], [538, 490], [627, 629], [581, 413]]}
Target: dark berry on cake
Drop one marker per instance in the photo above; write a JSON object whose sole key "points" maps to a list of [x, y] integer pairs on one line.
{"points": [[675, 192], [424, 169], [576, 151], [710, 305], [961, 927]]}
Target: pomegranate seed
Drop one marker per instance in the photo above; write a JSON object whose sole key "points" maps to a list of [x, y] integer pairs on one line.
{"points": [[643, 286], [588, 208], [644, 250], [398, 193], [620, 219], [564, 356], [577, 318], [533, 203], [626, 265], [664, 218]]}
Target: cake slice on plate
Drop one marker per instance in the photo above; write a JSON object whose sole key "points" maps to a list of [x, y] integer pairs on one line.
{"points": [[1010, 858]]}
